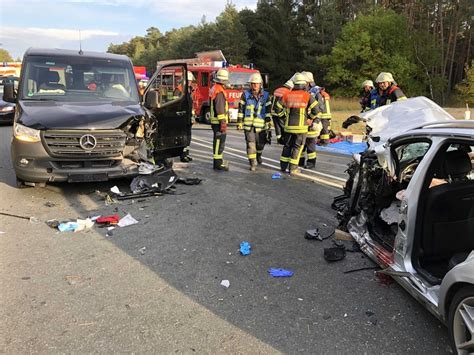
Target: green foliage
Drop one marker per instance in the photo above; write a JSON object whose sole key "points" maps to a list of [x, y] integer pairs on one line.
{"points": [[5, 56], [465, 89]]}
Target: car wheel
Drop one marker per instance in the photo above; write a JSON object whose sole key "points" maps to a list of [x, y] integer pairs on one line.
{"points": [[206, 115], [461, 321]]}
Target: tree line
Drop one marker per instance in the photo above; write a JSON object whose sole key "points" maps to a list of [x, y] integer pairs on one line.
{"points": [[425, 44]]}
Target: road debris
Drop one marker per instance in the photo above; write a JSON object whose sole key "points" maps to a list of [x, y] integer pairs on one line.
{"points": [[34, 220], [126, 221], [245, 248], [225, 283], [277, 272], [189, 181], [108, 220], [361, 269], [68, 227], [334, 254], [276, 176], [142, 250], [115, 190], [49, 204]]}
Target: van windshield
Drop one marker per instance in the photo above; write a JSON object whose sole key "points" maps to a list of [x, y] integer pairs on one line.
{"points": [[78, 79], [239, 80]]}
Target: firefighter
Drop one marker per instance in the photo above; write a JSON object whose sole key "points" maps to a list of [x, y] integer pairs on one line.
{"points": [[277, 122], [219, 110], [185, 157], [255, 112], [367, 87], [386, 92], [299, 109]]}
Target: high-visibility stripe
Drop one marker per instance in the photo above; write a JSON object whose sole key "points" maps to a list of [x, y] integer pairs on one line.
{"points": [[252, 155], [216, 151], [312, 134], [297, 160], [312, 105], [402, 98], [284, 159], [324, 136], [312, 155]]}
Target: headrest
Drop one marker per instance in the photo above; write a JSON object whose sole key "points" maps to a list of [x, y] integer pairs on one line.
{"points": [[52, 77], [457, 164]]}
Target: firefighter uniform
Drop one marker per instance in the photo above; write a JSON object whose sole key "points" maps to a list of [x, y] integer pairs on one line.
{"points": [[278, 123], [255, 113], [325, 117], [219, 110], [314, 130], [386, 93], [299, 109], [365, 93]]}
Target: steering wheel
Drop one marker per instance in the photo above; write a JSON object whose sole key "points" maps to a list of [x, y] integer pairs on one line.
{"points": [[407, 172]]}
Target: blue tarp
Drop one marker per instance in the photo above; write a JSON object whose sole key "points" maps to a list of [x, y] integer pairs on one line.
{"points": [[345, 148]]}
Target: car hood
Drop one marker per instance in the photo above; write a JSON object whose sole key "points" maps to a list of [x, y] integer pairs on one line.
{"points": [[83, 115], [402, 116]]}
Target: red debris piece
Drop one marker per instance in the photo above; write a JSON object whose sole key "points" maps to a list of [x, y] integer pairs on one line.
{"points": [[108, 219]]}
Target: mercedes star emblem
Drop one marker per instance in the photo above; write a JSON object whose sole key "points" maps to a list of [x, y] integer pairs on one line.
{"points": [[88, 142]]}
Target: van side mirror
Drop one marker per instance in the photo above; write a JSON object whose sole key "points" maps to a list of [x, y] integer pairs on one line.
{"points": [[9, 92], [152, 99]]}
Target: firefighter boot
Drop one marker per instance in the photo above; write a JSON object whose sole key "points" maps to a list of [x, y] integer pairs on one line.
{"points": [[301, 163], [294, 170], [311, 164], [253, 165], [259, 158], [223, 167]]}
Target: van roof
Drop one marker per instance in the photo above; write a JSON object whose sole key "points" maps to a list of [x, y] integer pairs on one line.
{"points": [[73, 53]]}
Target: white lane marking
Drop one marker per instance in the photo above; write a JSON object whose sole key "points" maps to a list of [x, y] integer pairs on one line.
{"points": [[312, 178], [278, 162]]}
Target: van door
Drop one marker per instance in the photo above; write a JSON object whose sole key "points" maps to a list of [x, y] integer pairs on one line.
{"points": [[169, 103]]}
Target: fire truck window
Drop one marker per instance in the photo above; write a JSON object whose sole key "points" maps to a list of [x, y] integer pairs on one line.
{"points": [[204, 79]]}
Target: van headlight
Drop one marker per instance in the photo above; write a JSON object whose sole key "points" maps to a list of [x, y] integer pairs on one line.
{"points": [[26, 134]]}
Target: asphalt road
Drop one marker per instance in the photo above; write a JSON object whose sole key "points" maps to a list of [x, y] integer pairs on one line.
{"points": [[88, 292]]}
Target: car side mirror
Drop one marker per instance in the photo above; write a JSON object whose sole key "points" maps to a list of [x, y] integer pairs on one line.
{"points": [[9, 92], [152, 99]]}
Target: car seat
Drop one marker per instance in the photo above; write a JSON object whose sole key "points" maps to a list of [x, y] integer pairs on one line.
{"points": [[50, 81]]}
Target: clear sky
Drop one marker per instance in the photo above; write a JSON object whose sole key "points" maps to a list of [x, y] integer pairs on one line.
{"points": [[56, 23]]}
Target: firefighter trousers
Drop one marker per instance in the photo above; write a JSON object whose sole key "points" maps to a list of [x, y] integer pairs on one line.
{"points": [[290, 156], [278, 124], [310, 150], [218, 145], [324, 136], [255, 142]]}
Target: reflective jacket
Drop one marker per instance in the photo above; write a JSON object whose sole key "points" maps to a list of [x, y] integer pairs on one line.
{"points": [[277, 96], [386, 97], [254, 111], [297, 106], [219, 105]]}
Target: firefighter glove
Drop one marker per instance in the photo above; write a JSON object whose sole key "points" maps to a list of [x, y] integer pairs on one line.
{"points": [[223, 127]]}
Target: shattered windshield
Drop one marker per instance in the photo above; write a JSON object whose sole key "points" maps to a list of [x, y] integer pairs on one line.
{"points": [[78, 79], [239, 80]]}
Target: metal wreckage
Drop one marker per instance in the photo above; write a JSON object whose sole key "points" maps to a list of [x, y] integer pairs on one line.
{"points": [[409, 204]]}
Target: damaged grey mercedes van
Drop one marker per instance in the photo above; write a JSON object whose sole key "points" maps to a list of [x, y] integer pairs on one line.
{"points": [[79, 117]]}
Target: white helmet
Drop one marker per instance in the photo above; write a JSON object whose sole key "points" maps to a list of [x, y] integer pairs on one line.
{"points": [[300, 79], [309, 76], [256, 78], [383, 76], [368, 83], [289, 84], [222, 76]]}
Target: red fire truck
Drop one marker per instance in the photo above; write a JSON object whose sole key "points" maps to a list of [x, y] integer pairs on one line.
{"points": [[203, 67]]}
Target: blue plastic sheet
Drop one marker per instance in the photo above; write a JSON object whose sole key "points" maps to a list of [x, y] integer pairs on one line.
{"points": [[68, 227], [276, 272], [344, 147], [276, 176], [245, 248]]}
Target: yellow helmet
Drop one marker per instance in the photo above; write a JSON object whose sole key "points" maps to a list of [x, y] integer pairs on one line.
{"points": [[222, 76], [289, 84], [299, 79], [256, 78], [309, 76], [383, 76], [368, 83]]}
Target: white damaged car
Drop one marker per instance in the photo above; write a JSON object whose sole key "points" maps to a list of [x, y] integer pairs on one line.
{"points": [[409, 204]]}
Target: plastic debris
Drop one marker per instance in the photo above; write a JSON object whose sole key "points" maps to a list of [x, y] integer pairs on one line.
{"points": [[115, 190], [126, 221], [95, 218], [276, 176], [142, 250], [114, 219], [34, 220], [276, 272], [334, 254], [225, 283], [110, 228], [189, 181], [53, 223], [68, 227], [83, 224], [245, 248], [147, 168]]}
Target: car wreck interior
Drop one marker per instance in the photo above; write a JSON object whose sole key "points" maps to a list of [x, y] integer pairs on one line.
{"points": [[445, 228]]}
